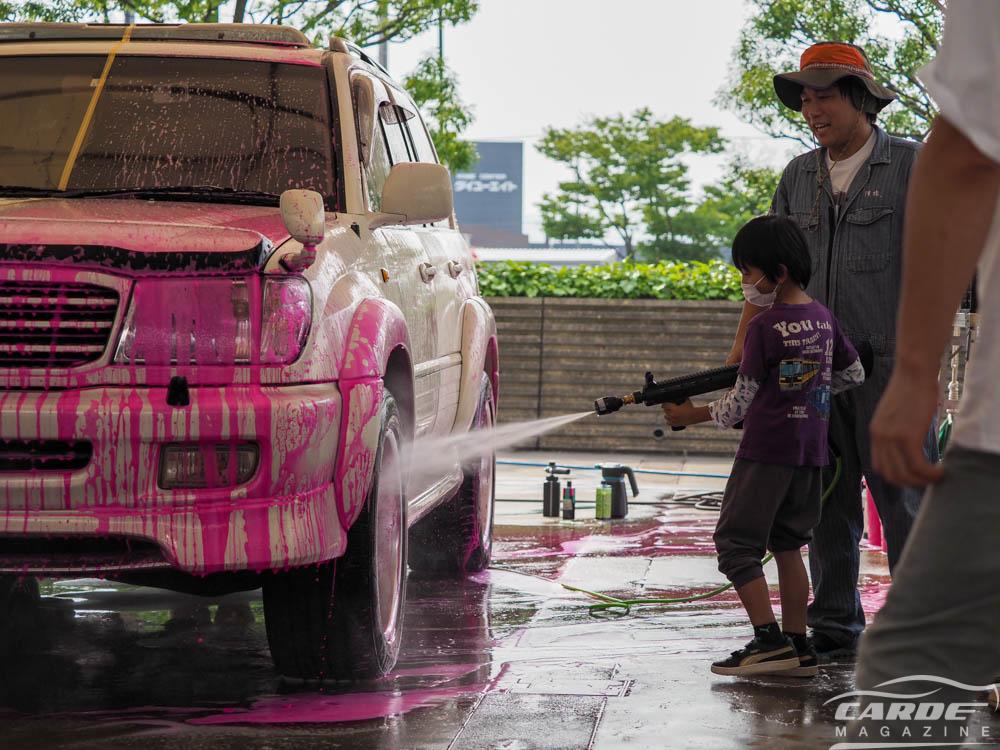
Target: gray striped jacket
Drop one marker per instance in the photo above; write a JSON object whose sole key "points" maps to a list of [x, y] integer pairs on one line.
{"points": [[856, 270]]}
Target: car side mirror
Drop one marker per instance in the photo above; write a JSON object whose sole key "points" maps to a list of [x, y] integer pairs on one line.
{"points": [[418, 192], [304, 216]]}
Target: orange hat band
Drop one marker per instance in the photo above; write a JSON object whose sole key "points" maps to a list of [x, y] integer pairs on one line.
{"points": [[835, 55], [835, 66]]}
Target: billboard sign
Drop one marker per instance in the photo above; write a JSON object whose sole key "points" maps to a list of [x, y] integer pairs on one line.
{"points": [[490, 193]]}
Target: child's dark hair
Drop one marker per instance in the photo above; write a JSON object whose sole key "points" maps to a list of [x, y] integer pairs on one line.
{"points": [[768, 242]]}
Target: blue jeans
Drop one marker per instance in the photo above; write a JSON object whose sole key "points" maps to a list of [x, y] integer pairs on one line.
{"points": [[834, 557]]}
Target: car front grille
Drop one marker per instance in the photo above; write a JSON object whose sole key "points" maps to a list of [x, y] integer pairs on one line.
{"points": [[44, 455], [54, 325]]}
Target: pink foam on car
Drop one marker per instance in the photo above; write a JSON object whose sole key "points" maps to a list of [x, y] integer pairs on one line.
{"points": [[377, 329]]}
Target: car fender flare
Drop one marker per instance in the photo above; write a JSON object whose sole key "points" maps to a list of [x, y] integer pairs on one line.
{"points": [[480, 354], [377, 329]]}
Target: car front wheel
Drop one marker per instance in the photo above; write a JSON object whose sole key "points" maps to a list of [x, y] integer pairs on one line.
{"points": [[343, 619]]}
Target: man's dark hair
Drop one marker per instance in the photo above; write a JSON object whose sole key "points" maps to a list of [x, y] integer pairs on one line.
{"points": [[861, 99], [769, 242]]}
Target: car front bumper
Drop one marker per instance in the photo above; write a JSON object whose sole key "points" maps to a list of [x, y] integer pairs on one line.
{"points": [[285, 516]]}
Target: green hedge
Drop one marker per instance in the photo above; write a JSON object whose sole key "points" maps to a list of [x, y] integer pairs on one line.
{"points": [[664, 280]]}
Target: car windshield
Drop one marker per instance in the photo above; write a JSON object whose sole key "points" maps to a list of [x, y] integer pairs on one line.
{"points": [[168, 123]]}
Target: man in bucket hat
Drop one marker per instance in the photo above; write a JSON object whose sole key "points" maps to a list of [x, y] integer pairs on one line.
{"points": [[848, 197]]}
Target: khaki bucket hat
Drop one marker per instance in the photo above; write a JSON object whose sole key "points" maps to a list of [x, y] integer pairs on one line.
{"points": [[821, 66]]}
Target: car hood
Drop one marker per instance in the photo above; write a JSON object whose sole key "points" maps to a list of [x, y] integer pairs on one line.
{"points": [[139, 236]]}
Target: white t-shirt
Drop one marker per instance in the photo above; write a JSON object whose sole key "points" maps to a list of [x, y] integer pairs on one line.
{"points": [[842, 172], [964, 80]]}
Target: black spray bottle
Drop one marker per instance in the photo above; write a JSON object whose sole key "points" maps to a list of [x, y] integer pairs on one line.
{"points": [[552, 491], [569, 501]]}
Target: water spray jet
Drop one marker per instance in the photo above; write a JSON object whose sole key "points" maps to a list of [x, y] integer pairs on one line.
{"points": [[432, 456]]}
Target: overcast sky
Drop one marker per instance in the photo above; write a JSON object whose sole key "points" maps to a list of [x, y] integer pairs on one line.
{"points": [[524, 65]]}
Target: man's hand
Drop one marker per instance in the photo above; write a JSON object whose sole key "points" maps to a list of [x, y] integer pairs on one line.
{"points": [[682, 415], [899, 427]]}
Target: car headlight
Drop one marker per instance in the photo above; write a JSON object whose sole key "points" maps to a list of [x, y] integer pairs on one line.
{"points": [[212, 322], [287, 316], [187, 322]]}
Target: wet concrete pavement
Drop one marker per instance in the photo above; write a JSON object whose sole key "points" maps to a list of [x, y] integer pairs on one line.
{"points": [[506, 659]]}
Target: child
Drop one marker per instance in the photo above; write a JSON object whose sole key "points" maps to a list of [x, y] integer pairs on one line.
{"points": [[794, 358]]}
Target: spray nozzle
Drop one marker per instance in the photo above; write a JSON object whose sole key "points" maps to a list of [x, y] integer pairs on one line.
{"points": [[552, 469], [608, 405], [611, 404]]}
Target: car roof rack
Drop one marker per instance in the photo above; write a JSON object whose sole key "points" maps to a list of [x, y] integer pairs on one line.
{"points": [[248, 33]]}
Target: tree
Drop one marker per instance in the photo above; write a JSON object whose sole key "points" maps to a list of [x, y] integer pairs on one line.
{"points": [[364, 22], [435, 90], [779, 30], [41, 10], [628, 176], [742, 193]]}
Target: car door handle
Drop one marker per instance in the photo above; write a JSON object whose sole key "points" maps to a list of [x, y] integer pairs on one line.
{"points": [[454, 268], [427, 272]]}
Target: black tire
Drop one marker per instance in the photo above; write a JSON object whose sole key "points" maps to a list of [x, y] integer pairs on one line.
{"points": [[339, 620], [456, 538], [18, 590], [20, 616]]}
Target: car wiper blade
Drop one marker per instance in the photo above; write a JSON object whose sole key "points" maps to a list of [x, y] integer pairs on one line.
{"points": [[177, 191], [181, 191], [25, 190]]}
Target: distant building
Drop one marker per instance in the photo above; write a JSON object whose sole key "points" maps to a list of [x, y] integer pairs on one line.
{"points": [[489, 196]]}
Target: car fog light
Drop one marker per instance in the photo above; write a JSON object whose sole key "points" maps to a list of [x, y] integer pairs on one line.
{"points": [[207, 466]]}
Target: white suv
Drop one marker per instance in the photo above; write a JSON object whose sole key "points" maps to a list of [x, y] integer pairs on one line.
{"points": [[232, 291]]}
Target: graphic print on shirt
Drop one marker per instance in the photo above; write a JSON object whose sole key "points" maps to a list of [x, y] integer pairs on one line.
{"points": [[788, 419], [819, 399], [793, 374], [799, 372]]}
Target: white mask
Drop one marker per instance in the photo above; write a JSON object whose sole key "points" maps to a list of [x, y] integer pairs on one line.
{"points": [[758, 298]]}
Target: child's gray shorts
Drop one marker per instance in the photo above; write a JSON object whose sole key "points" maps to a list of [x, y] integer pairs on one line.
{"points": [[765, 507]]}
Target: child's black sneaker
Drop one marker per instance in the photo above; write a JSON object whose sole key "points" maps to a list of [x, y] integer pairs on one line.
{"points": [[760, 657], [808, 661]]}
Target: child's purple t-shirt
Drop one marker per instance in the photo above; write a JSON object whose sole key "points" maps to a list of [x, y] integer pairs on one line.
{"points": [[792, 351]]}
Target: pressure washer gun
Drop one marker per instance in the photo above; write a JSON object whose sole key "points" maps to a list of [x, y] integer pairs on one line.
{"points": [[680, 389], [674, 391]]}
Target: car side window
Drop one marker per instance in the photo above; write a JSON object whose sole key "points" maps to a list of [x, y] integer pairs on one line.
{"points": [[421, 140], [367, 92], [391, 117], [421, 145], [423, 148], [377, 170]]}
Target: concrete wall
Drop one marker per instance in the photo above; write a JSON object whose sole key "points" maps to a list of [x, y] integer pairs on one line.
{"points": [[558, 355]]}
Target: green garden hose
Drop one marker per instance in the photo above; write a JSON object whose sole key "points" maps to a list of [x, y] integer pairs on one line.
{"points": [[944, 433], [621, 607]]}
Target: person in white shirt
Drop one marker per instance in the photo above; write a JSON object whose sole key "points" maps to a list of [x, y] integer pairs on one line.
{"points": [[935, 640]]}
